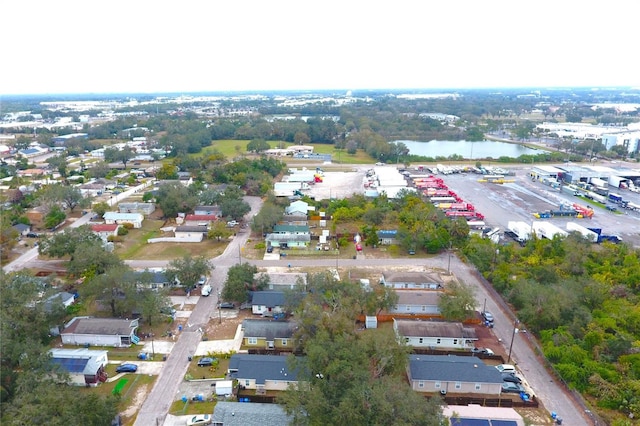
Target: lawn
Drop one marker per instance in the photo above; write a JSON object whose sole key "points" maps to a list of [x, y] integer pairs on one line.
{"points": [[135, 246], [231, 148]]}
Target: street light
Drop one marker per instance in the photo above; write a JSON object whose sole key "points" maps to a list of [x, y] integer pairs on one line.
{"points": [[219, 310], [515, 330]]}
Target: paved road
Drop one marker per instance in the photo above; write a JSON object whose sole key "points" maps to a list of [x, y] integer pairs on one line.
{"points": [[156, 406], [29, 258]]}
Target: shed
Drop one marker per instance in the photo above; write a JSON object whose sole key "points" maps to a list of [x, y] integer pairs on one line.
{"points": [[223, 387], [371, 322]]}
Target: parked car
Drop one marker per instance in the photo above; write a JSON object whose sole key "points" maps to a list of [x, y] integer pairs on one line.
{"points": [[206, 362], [488, 316], [485, 351], [199, 419], [270, 249], [202, 280], [126, 368], [206, 290], [511, 377], [232, 223], [509, 387], [506, 368], [227, 305]]}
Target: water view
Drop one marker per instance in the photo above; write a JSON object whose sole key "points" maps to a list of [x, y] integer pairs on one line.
{"points": [[468, 150]]}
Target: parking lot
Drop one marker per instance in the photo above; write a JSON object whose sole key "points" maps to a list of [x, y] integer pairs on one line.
{"points": [[501, 203]]}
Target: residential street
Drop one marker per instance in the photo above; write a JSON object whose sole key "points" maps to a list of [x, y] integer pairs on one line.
{"points": [[156, 406]]}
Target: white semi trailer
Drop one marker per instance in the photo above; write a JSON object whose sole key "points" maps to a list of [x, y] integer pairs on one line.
{"points": [[587, 233]]}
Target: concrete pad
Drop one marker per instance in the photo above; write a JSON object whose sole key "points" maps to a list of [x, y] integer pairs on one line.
{"points": [[213, 346], [158, 347]]}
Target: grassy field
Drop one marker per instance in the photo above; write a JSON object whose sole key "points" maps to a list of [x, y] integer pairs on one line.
{"points": [[233, 148], [135, 246]]}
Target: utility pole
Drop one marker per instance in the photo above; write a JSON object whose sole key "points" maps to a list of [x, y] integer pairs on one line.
{"points": [[219, 310], [515, 330]]}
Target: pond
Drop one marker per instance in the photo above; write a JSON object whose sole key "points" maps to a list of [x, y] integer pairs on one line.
{"points": [[468, 150]]}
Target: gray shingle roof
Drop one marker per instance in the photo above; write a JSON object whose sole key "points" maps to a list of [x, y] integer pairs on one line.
{"points": [[253, 414], [412, 277], [452, 368], [412, 328], [268, 329], [263, 368], [110, 326], [270, 299]]}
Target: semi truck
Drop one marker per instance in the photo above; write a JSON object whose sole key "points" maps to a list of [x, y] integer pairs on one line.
{"points": [[569, 190], [455, 206], [548, 230], [519, 231], [602, 237], [586, 232]]}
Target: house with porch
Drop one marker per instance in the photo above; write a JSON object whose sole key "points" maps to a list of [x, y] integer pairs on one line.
{"points": [[268, 334], [262, 372], [297, 208], [412, 280], [283, 280], [435, 334], [144, 209], [119, 333], [301, 241], [199, 219], [451, 374], [121, 218], [104, 230], [207, 211], [190, 233], [85, 367], [267, 303], [417, 303], [387, 237]]}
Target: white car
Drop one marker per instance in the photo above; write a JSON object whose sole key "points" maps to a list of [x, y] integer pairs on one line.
{"points": [[202, 280], [199, 419], [206, 290], [506, 368], [232, 223]]}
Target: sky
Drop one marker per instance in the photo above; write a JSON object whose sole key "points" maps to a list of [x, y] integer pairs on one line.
{"points": [[79, 46]]}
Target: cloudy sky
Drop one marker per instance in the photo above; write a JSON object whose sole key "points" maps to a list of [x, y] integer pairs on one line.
{"points": [[68, 46]]}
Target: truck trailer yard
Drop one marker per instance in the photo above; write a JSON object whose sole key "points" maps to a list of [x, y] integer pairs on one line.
{"points": [[516, 200]]}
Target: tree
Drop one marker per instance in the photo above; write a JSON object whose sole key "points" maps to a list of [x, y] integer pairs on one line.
{"points": [[219, 230], [174, 198], [150, 304], [113, 155], [100, 208], [65, 243], [89, 260], [59, 162], [352, 376], [458, 302], [240, 281], [188, 270], [115, 288], [168, 171], [54, 218], [71, 197], [258, 145], [269, 215], [99, 169]]}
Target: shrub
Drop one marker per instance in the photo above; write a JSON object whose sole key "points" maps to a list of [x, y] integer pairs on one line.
{"points": [[123, 230], [128, 225]]}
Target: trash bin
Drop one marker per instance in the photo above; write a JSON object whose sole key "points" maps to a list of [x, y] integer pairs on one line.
{"points": [[190, 358], [164, 357]]}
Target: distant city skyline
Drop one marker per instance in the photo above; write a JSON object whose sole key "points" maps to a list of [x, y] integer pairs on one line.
{"points": [[72, 46]]}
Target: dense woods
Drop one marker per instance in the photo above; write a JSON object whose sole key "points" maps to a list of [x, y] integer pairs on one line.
{"points": [[583, 302]]}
